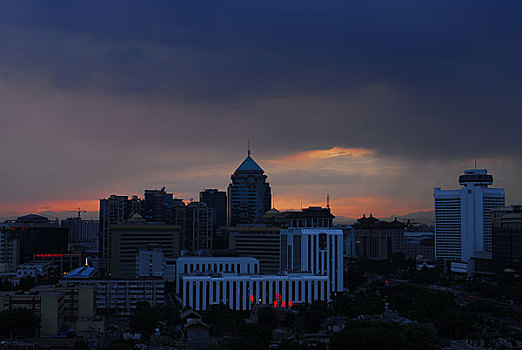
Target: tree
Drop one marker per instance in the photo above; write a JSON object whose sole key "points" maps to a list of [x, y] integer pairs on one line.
{"points": [[267, 317], [417, 336], [222, 319], [18, 323], [367, 336], [147, 318]]}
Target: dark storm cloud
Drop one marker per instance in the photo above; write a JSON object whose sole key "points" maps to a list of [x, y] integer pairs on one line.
{"points": [[454, 65], [111, 94]]}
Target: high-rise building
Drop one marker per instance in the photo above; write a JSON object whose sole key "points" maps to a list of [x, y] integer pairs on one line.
{"points": [[217, 201], [127, 238], [249, 196], [198, 227], [463, 218], [9, 251], [84, 232], [114, 210], [507, 238], [158, 206]]}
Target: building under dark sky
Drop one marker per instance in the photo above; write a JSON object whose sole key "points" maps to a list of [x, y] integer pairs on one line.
{"points": [[249, 195]]}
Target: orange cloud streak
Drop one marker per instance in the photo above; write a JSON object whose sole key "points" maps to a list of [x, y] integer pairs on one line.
{"points": [[319, 154]]}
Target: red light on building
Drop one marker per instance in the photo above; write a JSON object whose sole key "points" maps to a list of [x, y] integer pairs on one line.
{"points": [[290, 303], [283, 303], [275, 304], [251, 298]]}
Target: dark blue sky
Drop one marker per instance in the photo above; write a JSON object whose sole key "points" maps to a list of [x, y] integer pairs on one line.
{"points": [[427, 84]]}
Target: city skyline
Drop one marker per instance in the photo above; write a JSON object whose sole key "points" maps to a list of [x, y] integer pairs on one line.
{"points": [[375, 104], [360, 205]]}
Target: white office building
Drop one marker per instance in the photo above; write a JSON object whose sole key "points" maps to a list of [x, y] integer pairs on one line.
{"points": [[242, 292], [463, 218], [193, 265], [315, 250]]}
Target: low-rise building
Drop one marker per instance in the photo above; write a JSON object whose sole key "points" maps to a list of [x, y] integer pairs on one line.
{"points": [[242, 292], [118, 295], [196, 265], [49, 305], [35, 269]]}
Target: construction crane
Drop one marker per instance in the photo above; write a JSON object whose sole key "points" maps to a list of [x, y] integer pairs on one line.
{"points": [[80, 211]]}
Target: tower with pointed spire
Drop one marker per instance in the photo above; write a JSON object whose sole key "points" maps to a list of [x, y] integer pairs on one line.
{"points": [[249, 195]]}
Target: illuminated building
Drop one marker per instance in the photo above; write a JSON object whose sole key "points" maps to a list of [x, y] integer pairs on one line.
{"points": [[463, 219], [242, 292]]}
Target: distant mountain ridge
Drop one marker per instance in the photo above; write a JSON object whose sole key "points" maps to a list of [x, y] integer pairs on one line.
{"points": [[418, 217]]}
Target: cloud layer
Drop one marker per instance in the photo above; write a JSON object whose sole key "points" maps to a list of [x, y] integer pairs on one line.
{"points": [[374, 103]]}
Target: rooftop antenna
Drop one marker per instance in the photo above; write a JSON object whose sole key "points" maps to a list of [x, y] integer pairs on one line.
{"points": [[475, 162], [328, 200], [273, 202], [249, 147]]}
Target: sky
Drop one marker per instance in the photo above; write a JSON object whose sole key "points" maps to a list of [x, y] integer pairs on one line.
{"points": [[373, 102]]}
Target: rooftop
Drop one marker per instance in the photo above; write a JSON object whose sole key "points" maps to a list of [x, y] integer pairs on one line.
{"points": [[82, 272], [249, 165]]}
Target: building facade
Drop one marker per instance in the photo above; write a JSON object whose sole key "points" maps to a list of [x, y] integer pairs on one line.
{"points": [[249, 195], [35, 234], [507, 238], [217, 200], [258, 241], [310, 217], [242, 292], [315, 250], [150, 262], [376, 239], [190, 265], [84, 232], [129, 237], [118, 296], [198, 227], [463, 227], [114, 210]]}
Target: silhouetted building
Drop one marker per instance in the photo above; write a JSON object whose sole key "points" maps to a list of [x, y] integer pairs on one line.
{"points": [[9, 251], [310, 217], [375, 239], [463, 219], [114, 210], [84, 232], [507, 238], [127, 238], [36, 235], [217, 201], [259, 241], [418, 243], [198, 227], [158, 206], [249, 196]]}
